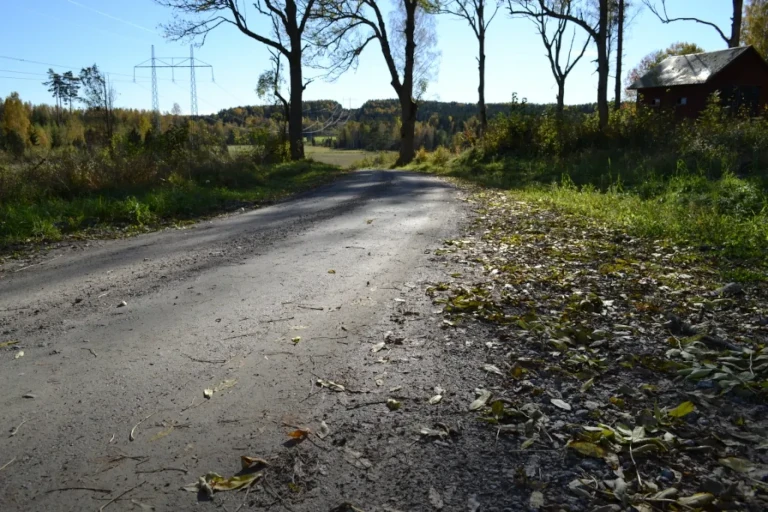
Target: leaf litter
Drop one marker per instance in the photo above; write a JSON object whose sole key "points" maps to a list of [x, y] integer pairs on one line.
{"points": [[662, 369]]}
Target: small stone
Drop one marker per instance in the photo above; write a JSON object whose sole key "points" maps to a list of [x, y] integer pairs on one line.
{"points": [[667, 475], [582, 412], [122, 304], [589, 404]]}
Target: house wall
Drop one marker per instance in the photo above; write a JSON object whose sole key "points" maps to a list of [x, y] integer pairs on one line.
{"points": [[746, 70]]}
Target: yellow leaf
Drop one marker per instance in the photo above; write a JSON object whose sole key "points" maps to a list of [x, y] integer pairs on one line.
{"points": [[7, 343], [331, 271], [296, 340], [737, 464], [225, 385], [19, 354], [219, 483], [162, 434], [697, 500], [299, 433], [682, 410], [588, 449], [249, 462]]}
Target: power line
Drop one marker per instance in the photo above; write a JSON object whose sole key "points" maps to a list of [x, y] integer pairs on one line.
{"points": [[107, 15], [20, 78]]}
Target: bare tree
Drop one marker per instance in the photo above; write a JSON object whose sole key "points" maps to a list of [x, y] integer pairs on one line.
{"points": [[733, 40], [286, 22], [594, 22], [348, 26], [474, 12], [554, 41]]}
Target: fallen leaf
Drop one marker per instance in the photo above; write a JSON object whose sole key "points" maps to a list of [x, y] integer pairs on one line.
{"points": [[216, 482], [208, 393], [324, 430], [528, 443], [161, 434], [122, 304], [331, 271], [296, 340], [393, 404], [483, 396], [19, 354], [435, 499], [587, 385], [492, 369], [559, 403], [697, 500], [8, 343], [537, 500], [431, 432], [682, 410], [330, 385], [369, 221], [249, 462], [588, 449], [436, 399], [377, 347], [299, 433], [737, 464], [356, 459], [142, 506]]}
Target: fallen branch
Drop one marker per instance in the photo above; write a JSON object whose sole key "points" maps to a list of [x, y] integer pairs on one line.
{"points": [[8, 463], [91, 351], [133, 430], [311, 307], [120, 496]]}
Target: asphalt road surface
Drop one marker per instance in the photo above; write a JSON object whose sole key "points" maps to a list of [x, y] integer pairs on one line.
{"points": [[131, 332]]}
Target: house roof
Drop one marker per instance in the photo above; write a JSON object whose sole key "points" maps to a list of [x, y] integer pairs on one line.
{"points": [[693, 69]]}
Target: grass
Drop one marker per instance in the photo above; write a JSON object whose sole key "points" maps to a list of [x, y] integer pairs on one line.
{"points": [[344, 158], [176, 200], [724, 216]]}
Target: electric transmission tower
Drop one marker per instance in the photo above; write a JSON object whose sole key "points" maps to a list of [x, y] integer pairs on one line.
{"points": [[190, 62]]}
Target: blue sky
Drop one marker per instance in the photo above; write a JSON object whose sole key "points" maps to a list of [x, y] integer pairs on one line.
{"points": [[73, 34]]}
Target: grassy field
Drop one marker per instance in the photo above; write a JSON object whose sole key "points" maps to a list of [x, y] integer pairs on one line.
{"points": [[344, 158]]}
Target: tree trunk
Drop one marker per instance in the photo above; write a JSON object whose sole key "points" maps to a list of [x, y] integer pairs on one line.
{"points": [[602, 65], [408, 109], [738, 5], [619, 54], [481, 67], [295, 117], [560, 98]]}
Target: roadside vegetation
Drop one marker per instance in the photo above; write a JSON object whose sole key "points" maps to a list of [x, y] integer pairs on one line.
{"points": [[700, 183]]}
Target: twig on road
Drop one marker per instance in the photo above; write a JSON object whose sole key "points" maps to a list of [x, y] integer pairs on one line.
{"points": [[61, 489], [91, 351], [16, 430], [330, 338], [277, 320], [242, 335], [120, 496], [211, 361], [159, 470], [133, 430], [8, 463], [311, 307]]}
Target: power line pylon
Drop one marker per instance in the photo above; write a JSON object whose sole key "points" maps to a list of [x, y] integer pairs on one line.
{"points": [[190, 62]]}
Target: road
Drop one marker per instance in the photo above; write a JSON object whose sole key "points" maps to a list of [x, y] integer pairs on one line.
{"points": [[221, 306]]}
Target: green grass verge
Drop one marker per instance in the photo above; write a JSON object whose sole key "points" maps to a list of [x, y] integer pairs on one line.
{"points": [[176, 200], [726, 216]]}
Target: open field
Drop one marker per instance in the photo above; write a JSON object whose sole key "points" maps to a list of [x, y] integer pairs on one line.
{"points": [[344, 158]]}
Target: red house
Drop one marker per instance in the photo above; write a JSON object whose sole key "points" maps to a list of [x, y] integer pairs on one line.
{"points": [[685, 83]]}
